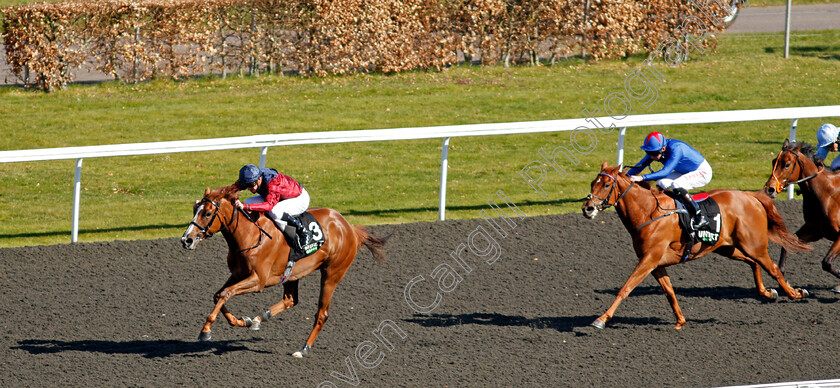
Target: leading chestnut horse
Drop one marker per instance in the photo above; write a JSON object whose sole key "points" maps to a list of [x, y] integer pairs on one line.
{"points": [[820, 190], [748, 219], [258, 255]]}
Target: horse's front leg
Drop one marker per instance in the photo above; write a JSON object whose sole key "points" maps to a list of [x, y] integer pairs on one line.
{"points": [[665, 282], [247, 285], [645, 266], [828, 262], [807, 234]]}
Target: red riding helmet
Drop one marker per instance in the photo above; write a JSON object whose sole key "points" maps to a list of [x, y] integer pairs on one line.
{"points": [[654, 142]]}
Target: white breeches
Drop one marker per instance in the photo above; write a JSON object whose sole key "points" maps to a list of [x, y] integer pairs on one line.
{"points": [[693, 180], [293, 206]]}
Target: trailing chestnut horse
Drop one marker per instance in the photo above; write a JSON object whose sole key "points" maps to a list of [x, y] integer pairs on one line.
{"points": [[748, 219], [820, 189], [258, 255]]}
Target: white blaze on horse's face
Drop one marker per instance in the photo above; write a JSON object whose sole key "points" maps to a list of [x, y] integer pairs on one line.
{"points": [[190, 238], [589, 208]]}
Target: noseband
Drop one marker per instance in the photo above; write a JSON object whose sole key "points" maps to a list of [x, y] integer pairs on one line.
{"points": [[779, 183], [604, 205]]}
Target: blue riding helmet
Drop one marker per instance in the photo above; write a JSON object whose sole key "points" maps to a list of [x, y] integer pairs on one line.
{"points": [[826, 135], [249, 174], [653, 142]]}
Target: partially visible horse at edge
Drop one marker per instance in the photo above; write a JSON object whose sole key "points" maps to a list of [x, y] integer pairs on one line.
{"points": [[748, 220], [820, 190], [258, 254]]}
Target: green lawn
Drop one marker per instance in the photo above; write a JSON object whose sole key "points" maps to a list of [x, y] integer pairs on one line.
{"points": [[387, 182]]}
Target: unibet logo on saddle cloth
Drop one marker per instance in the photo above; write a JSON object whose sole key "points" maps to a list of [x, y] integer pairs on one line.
{"points": [[711, 232]]}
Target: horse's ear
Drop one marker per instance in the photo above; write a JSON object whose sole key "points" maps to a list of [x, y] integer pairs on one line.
{"points": [[604, 166], [786, 143], [207, 191], [621, 167]]}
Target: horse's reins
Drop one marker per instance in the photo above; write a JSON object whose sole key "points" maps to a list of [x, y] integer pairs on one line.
{"points": [[779, 185], [226, 224]]}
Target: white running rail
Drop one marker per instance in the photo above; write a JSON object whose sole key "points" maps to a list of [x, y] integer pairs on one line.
{"points": [[440, 132]]}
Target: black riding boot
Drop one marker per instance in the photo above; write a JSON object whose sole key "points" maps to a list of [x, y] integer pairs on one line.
{"points": [[290, 231], [302, 236], [698, 220]]}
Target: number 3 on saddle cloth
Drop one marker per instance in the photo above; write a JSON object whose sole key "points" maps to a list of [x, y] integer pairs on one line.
{"points": [[308, 221], [708, 234]]}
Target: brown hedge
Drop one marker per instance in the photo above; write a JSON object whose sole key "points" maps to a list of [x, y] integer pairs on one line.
{"points": [[139, 40]]}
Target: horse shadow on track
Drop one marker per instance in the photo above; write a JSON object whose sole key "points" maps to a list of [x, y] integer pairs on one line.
{"points": [[570, 324], [148, 349], [730, 293], [579, 325]]}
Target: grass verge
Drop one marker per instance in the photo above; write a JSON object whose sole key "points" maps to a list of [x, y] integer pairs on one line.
{"points": [[388, 182]]}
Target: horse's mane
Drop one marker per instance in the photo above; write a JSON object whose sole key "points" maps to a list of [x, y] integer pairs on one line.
{"points": [[808, 149], [230, 193], [643, 184]]}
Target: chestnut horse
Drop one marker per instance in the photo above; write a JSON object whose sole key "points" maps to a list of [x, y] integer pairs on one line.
{"points": [[748, 219], [820, 189], [258, 254]]}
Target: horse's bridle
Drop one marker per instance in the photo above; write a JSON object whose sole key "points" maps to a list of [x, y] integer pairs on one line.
{"points": [[226, 224], [205, 229], [604, 205], [781, 186]]}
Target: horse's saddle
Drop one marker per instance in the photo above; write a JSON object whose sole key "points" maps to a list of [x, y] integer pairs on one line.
{"points": [[709, 233], [309, 222], [318, 239]]}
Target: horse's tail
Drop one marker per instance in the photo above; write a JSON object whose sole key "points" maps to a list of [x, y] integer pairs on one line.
{"points": [[776, 225], [376, 245]]}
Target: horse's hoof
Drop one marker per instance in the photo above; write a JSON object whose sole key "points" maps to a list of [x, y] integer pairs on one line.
{"points": [[265, 315], [252, 324], [205, 336], [836, 290], [774, 294], [302, 353], [598, 324]]}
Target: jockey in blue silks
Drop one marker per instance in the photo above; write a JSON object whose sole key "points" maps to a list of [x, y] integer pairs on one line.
{"points": [[684, 168], [827, 140]]}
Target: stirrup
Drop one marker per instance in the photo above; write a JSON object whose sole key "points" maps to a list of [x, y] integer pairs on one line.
{"points": [[700, 222]]}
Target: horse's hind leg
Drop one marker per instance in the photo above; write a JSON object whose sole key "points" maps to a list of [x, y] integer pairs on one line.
{"points": [[328, 283], [763, 259], [290, 299], [664, 280], [759, 283]]}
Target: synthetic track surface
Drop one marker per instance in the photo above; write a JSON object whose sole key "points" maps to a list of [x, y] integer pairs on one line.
{"points": [[129, 313]]}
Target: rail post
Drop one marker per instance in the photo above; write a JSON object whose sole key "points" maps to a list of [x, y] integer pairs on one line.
{"points": [[77, 193], [619, 157], [263, 153], [792, 138], [444, 164]]}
